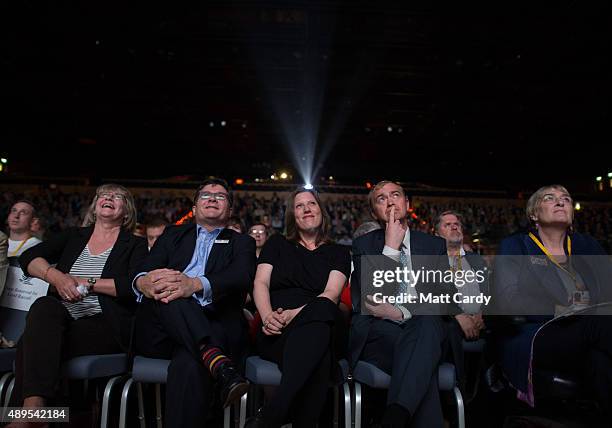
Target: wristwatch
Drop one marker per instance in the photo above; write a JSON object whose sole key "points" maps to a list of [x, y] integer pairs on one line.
{"points": [[91, 282]]}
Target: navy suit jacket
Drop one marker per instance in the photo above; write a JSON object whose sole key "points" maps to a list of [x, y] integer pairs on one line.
{"points": [[421, 244], [526, 284], [230, 268]]}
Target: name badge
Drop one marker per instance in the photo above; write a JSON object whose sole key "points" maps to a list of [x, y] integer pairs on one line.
{"points": [[221, 241], [536, 260]]}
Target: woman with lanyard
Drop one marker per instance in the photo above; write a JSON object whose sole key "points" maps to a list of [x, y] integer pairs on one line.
{"points": [[551, 277]]}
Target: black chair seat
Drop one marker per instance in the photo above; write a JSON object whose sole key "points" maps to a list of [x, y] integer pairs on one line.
{"points": [[95, 366]]}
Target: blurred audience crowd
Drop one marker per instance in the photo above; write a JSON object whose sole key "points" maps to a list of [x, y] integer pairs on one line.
{"points": [[487, 221]]}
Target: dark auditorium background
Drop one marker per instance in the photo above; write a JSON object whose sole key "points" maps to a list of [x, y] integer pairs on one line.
{"points": [[489, 96], [470, 106]]}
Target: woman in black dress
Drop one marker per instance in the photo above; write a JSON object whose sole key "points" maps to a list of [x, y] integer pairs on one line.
{"points": [[297, 287]]}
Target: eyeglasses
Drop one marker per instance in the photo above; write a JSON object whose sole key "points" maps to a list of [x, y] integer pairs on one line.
{"points": [[111, 195], [550, 198], [205, 196], [257, 232]]}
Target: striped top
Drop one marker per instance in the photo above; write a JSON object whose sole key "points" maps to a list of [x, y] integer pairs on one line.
{"points": [[87, 266]]}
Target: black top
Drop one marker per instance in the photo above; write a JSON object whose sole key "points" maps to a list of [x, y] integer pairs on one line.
{"points": [[127, 253], [300, 275]]}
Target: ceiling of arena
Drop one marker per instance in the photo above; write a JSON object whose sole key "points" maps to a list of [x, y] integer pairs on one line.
{"points": [[416, 92]]}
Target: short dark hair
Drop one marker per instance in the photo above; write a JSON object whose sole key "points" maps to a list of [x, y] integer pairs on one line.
{"points": [[29, 202], [157, 221], [449, 212], [215, 181], [236, 220]]}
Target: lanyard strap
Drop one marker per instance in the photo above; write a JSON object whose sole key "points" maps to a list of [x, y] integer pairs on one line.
{"points": [[19, 247], [550, 257]]}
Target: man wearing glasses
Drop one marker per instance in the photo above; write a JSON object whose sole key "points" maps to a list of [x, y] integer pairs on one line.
{"points": [[191, 290]]}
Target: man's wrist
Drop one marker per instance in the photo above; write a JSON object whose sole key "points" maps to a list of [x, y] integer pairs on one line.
{"points": [[196, 285], [140, 283]]}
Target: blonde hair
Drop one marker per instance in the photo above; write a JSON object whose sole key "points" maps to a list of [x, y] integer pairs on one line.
{"points": [[129, 221], [535, 200]]}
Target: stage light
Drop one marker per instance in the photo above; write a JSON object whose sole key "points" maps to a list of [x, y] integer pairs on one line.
{"points": [[211, 124], [331, 177], [389, 128], [368, 185], [308, 186], [577, 207], [598, 178], [610, 175], [273, 177], [239, 181], [222, 123], [4, 160], [284, 175]]}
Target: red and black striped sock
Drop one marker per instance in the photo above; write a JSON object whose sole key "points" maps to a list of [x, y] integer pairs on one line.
{"points": [[213, 358]]}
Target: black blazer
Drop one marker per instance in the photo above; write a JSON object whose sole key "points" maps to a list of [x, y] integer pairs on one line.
{"points": [[230, 268], [427, 251], [128, 252]]}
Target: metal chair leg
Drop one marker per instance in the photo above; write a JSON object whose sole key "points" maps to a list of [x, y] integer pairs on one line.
{"points": [[357, 405], [7, 398], [124, 403], [4, 382], [347, 405], [158, 407], [460, 408], [227, 416], [9, 392], [141, 415], [108, 389], [243, 409]]}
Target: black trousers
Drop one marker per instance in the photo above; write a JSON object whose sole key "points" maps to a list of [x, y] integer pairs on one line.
{"points": [[176, 331], [411, 353], [50, 337], [306, 353], [581, 345]]}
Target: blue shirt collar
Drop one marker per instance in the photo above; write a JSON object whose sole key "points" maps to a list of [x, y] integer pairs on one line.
{"points": [[214, 232]]}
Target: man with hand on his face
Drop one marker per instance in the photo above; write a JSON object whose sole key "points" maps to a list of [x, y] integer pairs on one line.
{"points": [[191, 290], [408, 346]]}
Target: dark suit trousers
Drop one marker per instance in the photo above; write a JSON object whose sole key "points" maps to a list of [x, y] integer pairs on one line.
{"points": [[176, 331], [51, 337], [411, 353]]}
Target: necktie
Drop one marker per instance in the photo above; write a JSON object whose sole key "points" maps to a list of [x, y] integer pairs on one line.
{"points": [[405, 287]]}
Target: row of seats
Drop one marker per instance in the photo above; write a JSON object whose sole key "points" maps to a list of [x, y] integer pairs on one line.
{"points": [[258, 371]]}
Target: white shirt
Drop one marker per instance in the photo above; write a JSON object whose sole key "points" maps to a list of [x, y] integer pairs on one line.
{"points": [[14, 248], [395, 255]]}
